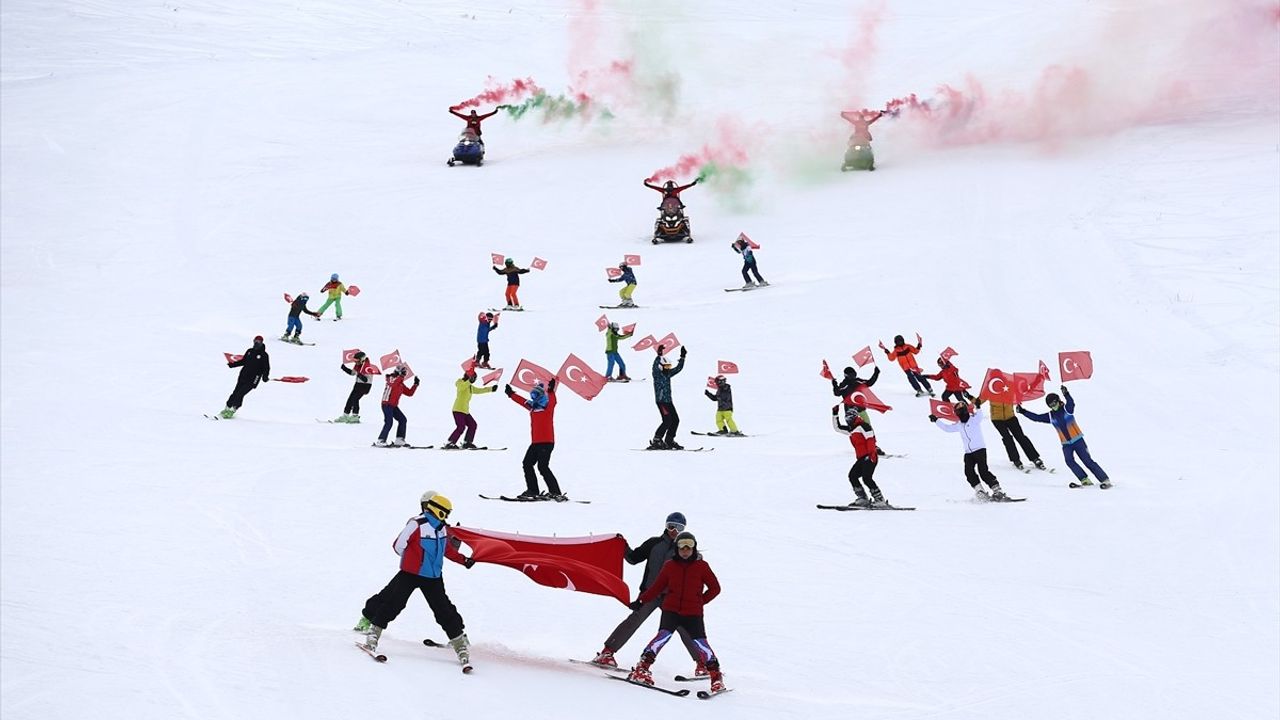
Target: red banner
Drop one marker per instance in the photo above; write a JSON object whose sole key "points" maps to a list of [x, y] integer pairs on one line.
{"points": [[497, 258], [711, 382], [580, 378], [864, 356], [948, 353], [288, 298], [998, 386], [469, 364], [390, 360], [527, 373], [352, 290], [632, 260], [669, 343], [864, 397], [368, 369], [1044, 370], [1028, 386], [538, 264], [591, 564], [1075, 365], [602, 322], [494, 376], [291, 379], [232, 358], [645, 343], [628, 329], [750, 243], [826, 371], [349, 355], [724, 367], [613, 272]]}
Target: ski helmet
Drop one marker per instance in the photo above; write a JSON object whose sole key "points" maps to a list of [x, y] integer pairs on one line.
{"points": [[334, 277], [439, 506], [483, 317], [257, 339], [426, 496], [509, 261], [1052, 400], [942, 362], [850, 371], [677, 520], [669, 184], [622, 264], [720, 379], [303, 294], [897, 340], [686, 539], [613, 326], [359, 355]]}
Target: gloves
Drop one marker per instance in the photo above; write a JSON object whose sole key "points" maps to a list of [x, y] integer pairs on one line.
{"points": [[230, 365], [882, 347], [683, 351], [417, 381], [1018, 409], [265, 378], [933, 418], [468, 562], [1063, 389], [919, 340], [635, 605], [507, 389]]}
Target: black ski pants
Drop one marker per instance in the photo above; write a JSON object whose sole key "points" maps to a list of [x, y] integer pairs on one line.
{"points": [[861, 472], [540, 454], [632, 623], [353, 400], [975, 467], [947, 395], [386, 605], [1010, 431], [670, 422], [917, 379], [750, 266], [243, 386], [482, 353]]}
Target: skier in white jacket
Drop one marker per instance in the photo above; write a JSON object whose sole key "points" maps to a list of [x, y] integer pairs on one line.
{"points": [[975, 449]]}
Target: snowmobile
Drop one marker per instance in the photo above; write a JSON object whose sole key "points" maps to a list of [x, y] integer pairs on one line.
{"points": [[858, 157], [672, 225], [468, 151]]}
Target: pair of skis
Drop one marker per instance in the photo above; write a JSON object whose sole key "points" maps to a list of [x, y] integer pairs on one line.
{"points": [[718, 434], [506, 498], [682, 692], [380, 658], [691, 450], [850, 508]]}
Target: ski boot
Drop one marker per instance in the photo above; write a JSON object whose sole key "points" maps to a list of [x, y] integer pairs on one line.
{"points": [[700, 670], [878, 501], [449, 446], [353, 419], [362, 626], [381, 442], [605, 659], [735, 433], [1086, 481], [556, 497], [1018, 465], [717, 682], [1038, 463], [673, 445], [981, 494], [622, 377], [763, 283], [640, 673], [1105, 484], [371, 637], [919, 393], [398, 442], [748, 285], [227, 413], [528, 496], [468, 446], [297, 339], [462, 647], [998, 494], [285, 337], [657, 444], [861, 502]]}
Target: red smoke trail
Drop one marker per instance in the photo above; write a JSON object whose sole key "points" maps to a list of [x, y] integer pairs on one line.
{"points": [[727, 153], [517, 90]]}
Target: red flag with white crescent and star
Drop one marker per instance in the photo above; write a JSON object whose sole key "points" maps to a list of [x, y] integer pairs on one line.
{"points": [[527, 374], [1075, 365], [998, 386], [578, 376], [590, 564]]}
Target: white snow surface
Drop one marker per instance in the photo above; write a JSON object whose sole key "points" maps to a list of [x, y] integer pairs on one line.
{"points": [[170, 168]]}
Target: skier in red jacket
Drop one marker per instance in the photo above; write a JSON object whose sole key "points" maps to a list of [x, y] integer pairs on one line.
{"points": [[473, 120], [956, 386], [863, 439], [395, 388], [542, 435], [689, 584]]}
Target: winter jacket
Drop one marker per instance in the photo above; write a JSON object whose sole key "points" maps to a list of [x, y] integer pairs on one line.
{"points": [[465, 390], [1000, 411], [654, 552], [299, 306], [424, 544], [852, 383], [473, 123], [255, 364], [1063, 420], [482, 332], [905, 355], [673, 192], [611, 338], [683, 581], [950, 374], [396, 386], [748, 257], [541, 422], [970, 430], [360, 377], [862, 437], [723, 396], [513, 273], [628, 276], [335, 289], [662, 379], [858, 118]]}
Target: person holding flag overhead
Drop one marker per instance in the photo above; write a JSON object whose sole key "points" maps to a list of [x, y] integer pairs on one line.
{"points": [[362, 386], [723, 398], [1062, 418], [541, 405], [664, 438], [462, 410], [969, 426], [628, 280], [611, 337]]}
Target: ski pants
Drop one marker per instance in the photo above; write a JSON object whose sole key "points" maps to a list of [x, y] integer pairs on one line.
{"points": [[482, 353], [975, 467], [724, 421], [513, 298], [615, 358], [1079, 449], [860, 476], [1010, 432], [294, 325], [670, 422], [336, 302], [632, 623], [692, 624], [463, 421], [391, 413], [917, 379], [625, 292], [947, 395], [750, 266], [243, 386], [540, 454], [353, 400], [386, 605]]}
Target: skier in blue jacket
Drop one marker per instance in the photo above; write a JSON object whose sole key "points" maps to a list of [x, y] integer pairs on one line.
{"points": [[1063, 419], [488, 323], [742, 247]]}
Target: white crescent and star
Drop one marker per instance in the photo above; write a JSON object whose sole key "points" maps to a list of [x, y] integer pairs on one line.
{"points": [[1068, 366]]}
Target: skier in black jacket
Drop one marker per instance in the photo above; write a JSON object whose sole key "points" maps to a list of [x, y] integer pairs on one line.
{"points": [[351, 411], [654, 552], [254, 366], [850, 384]]}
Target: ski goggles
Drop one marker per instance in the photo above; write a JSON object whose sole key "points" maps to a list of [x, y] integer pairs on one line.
{"points": [[675, 526], [686, 543]]}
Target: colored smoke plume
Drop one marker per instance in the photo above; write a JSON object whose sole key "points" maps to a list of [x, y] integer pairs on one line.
{"points": [[722, 164], [858, 58], [501, 94]]}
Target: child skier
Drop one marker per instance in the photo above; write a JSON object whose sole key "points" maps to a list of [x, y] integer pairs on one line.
{"points": [[336, 290], [949, 374], [664, 438], [422, 545], [611, 337], [850, 384], [1006, 422], [396, 387], [975, 449], [723, 397], [542, 435], [863, 439], [362, 386], [462, 411], [685, 584], [1063, 419], [296, 308], [254, 366], [742, 247], [905, 355], [628, 280], [488, 323], [513, 274], [654, 553]]}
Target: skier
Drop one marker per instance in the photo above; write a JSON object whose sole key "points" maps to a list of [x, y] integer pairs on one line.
{"points": [[850, 384], [863, 439], [462, 411], [1063, 419], [1006, 422], [628, 278], [949, 374], [671, 194], [395, 388], [664, 438], [488, 323], [975, 449], [473, 120], [742, 247], [255, 365], [542, 436], [689, 584], [422, 545], [296, 308], [723, 397], [654, 553], [513, 274], [362, 386], [336, 290], [611, 337], [903, 353]]}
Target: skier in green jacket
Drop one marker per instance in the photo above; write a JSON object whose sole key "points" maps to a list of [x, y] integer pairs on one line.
{"points": [[462, 411]]}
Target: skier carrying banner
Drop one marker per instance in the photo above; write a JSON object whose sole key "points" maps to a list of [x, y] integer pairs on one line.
{"points": [[254, 366]]}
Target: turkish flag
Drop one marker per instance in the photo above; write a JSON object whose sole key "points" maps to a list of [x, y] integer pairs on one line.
{"points": [[390, 360], [368, 369], [864, 397], [669, 343], [288, 298], [468, 364], [864, 356], [948, 353], [291, 379], [580, 378], [494, 376], [942, 410], [826, 371], [1028, 386], [602, 322], [632, 260], [527, 373], [628, 329], [590, 564], [497, 258], [711, 382], [997, 386], [408, 371], [750, 243], [232, 358], [613, 272], [724, 367], [349, 355], [645, 343], [538, 264], [352, 290], [1075, 365], [1044, 370]]}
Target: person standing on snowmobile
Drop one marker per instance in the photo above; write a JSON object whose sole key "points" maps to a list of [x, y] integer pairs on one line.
{"points": [[905, 355], [975, 449], [861, 121], [362, 386], [863, 439], [611, 337], [723, 398], [488, 323], [473, 120], [664, 438], [513, 274], [1063, 419], [254, 365], [628, 280], [396, 387], [671, 192], [542, 435], [743, 248], [294, 325]]}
